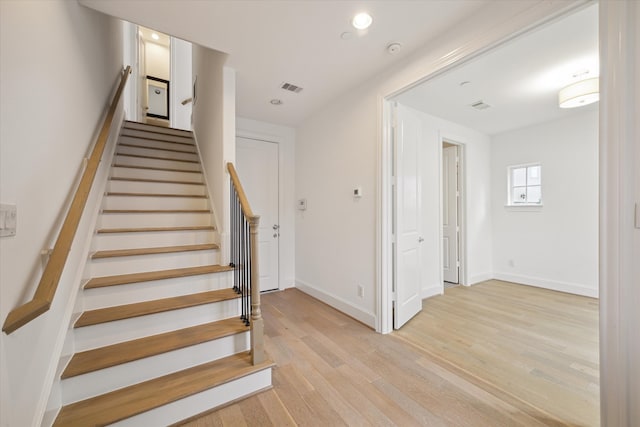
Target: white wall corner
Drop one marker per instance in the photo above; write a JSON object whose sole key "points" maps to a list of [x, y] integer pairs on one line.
{"points": [[478, 278], [363, 316], [433, 290]]}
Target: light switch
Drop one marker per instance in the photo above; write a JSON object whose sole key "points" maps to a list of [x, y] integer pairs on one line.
{"points": [[8, 220]]}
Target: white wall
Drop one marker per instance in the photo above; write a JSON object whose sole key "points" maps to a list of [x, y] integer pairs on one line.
{"points": [[58, 66], [285, 137], [554, 246], [181, 83], [214, 128], [157, 60]]}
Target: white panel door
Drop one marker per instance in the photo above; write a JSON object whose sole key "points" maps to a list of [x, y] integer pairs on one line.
{"points": [[257, 164], [450, 239], [408, 137]]}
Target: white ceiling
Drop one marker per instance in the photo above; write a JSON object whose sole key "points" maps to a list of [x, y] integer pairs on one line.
{"points": [[520, 80], [270, 42]]}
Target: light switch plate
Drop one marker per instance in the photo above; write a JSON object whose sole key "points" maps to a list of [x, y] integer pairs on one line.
{"points": [[8, 220]]}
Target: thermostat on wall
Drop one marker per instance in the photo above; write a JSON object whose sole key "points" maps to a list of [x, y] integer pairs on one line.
{"points": [[302, 204]]}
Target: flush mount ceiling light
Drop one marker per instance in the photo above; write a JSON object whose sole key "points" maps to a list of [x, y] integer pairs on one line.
{"points": [[362, 21], [579, 94], [276, 101], [155, 36]]}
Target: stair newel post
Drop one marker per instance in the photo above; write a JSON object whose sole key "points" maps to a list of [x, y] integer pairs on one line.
{"points": [[257, 323]]}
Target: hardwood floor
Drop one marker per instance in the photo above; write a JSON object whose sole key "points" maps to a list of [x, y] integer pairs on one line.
{"points": [[495, 354]]}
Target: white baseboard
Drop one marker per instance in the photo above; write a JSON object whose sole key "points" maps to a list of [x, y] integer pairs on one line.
{"points": [[437, 289], [571, 288], [477, 278], [346, 307]]}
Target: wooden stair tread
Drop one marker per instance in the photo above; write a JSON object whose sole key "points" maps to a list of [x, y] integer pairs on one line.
{"points": [[151, 251], [126, 402], [159, 181], [141, 156], [171, 150], [155, 229], [122, 279], [148, 211], [150, 138], [154, 168], [154, 128], [110, 314], [193, 196], [128, 351]]}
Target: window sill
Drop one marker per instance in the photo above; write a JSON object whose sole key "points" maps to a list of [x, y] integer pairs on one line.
{"points": [[524, 208]]}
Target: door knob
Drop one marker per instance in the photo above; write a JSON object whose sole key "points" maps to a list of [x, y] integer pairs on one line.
{"points": [[276, 226], [275, 235], [420, 240]]}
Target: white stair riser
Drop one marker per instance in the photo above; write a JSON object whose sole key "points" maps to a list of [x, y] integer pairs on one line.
{"points": [[149, 143], [147, 239], [117, 186], [153, 202], [169, 164], [169, 155], [178, 219], [110, 296], [201, 402], [105, 380], [155, 174], [138, 264], [89, 337], [157, 136]]}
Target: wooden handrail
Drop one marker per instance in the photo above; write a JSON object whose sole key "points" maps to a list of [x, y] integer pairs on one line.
{"points": [[41, 301], [244, 202]]}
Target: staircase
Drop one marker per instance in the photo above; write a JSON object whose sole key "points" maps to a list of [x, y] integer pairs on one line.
{"points": [[159, 338]]}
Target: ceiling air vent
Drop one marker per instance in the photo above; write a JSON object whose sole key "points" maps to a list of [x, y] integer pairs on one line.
{"points": [[480, 105], [291, 88]]}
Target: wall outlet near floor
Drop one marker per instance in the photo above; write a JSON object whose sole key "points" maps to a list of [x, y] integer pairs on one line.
{"points": [[361, 291]]}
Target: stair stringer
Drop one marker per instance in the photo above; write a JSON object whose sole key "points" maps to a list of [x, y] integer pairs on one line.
{"points": [[223, 235]]}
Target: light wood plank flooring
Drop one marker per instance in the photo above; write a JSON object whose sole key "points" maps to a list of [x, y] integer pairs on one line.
{"points": [[495, 354]]}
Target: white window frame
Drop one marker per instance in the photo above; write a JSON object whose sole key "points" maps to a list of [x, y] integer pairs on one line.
{"points": [[510, 202]]}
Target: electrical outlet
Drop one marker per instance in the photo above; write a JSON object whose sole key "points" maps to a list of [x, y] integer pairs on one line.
{"points": [[8, 219], [361, 291]]}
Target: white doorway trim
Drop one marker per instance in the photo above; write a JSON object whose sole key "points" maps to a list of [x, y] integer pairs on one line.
{"points": [[281, 189], [462, 204]]}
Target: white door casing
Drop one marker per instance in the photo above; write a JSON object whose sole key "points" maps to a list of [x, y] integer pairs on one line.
{"points": [[450, 229], [257, 164], [408, 210]]}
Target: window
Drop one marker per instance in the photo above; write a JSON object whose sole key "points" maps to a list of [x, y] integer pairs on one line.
{"points": [[525, 185]]}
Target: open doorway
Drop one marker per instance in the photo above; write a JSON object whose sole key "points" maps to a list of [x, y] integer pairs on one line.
{"points": [[503, 108], [161, 92], [451, 214]]}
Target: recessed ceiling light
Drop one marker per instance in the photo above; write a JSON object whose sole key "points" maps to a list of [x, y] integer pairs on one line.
{"points": [[155, 36], [276, 101], [362, 21]]}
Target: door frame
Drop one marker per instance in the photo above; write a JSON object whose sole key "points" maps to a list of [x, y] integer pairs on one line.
{"points": [[462, 208], [271, 139]]}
